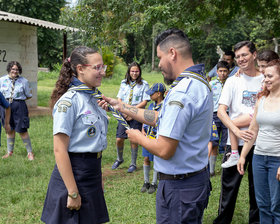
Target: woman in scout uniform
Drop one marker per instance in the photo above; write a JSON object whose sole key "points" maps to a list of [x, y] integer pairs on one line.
{"points": [[156, 93], [16, 90], [132, 91], [75, 193]]}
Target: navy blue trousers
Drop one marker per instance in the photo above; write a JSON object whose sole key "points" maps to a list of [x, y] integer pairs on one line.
{"points": [[183, 201]]}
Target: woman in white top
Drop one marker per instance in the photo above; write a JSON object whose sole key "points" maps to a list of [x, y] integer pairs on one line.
{"points": [[265, 127]]}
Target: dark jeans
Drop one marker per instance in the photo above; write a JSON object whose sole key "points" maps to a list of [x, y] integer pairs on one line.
{"points": [[231, 180]]}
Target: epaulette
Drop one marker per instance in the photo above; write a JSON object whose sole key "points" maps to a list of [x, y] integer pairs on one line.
{"points": [[183, 85], [70, 94]]}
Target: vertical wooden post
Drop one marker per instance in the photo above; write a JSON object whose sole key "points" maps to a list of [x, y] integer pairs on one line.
{"points": [[153, 49], [64, 46]]}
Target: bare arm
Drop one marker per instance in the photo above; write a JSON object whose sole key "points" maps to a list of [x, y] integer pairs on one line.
{"points": [[61, 143], [222, 114], [142, 115], [242, 121], [254, 128], [142, 104], [162, 147]]}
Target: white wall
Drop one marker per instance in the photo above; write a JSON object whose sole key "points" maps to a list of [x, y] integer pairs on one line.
{"points": [[18, 42]]}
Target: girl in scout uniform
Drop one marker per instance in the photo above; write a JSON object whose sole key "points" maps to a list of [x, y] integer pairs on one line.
{"points": [[16, 90], [75, 193], [156, 93], [132, 91]]}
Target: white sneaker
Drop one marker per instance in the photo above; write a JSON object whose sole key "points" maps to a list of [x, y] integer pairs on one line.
{"points": [[232, 161]]}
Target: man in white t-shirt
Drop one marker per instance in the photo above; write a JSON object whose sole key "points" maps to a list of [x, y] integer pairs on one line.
{"points": [[239, 97]]}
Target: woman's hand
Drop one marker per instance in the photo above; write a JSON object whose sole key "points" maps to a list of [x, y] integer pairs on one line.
{"points": [[278, 174], [240, 165], [7, 128], [237, 74], [74, 203]]}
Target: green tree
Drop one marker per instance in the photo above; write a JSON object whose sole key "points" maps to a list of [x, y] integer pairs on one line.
{"points": [[127, 25]]}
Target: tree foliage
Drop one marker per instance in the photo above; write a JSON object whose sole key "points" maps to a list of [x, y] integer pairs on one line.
{"points": [[127, 25]]}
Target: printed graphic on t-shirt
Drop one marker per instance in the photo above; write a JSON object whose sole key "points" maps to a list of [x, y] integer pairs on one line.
{"points": [[249, 98]]}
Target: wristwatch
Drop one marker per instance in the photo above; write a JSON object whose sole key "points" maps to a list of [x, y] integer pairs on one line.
{"points": [[74, 195]]}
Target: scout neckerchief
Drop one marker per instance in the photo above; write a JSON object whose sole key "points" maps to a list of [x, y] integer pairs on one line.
{"points": [[221, 82], [78, 86], [13, 81], [132, 85], [190, 74], [150, 132], [232, 68]]}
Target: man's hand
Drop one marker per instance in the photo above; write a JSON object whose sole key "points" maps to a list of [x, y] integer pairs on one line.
{"points": [[134, 135], [107, 100], [245, 135]]}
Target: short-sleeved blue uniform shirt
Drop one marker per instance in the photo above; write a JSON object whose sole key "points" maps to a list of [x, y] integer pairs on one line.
{"points": [[139, 92], [78, 115], [22, 89], [217, 87], [186, 116]]}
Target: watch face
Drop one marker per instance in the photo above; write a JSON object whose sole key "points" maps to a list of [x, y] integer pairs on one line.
{"points": [[73, 195]]}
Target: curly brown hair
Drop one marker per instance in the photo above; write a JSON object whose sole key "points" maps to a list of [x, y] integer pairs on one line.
{"points": [[68, 71]]}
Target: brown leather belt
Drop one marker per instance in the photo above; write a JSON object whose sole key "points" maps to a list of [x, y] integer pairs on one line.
{"points": [[163, 176], [95, 155]]}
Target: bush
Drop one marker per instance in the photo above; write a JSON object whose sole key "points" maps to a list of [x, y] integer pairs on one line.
{"points": [[109, 59], [48, 75]]}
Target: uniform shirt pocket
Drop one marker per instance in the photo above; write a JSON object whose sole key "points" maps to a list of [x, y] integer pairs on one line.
{"points": [[89, 119]]}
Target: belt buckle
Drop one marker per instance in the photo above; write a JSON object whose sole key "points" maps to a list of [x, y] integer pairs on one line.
{"points": [[181, 176], [99, 154]]}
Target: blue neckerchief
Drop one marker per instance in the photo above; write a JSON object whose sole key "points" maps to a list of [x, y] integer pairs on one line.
{"points": [[197, 72], [79, 86], [150, 132]]}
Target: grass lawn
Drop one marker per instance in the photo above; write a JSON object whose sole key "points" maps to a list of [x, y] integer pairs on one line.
{"points": [[23, 184]]}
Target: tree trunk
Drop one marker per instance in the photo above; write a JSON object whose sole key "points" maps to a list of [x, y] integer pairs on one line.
{"points": [[153, 49]]}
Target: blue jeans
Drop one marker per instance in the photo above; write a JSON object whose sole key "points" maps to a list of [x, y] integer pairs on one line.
{"points": [[267, 187]]}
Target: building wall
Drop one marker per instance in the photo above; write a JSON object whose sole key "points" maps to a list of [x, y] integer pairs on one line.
{"points": [[18, 42]]}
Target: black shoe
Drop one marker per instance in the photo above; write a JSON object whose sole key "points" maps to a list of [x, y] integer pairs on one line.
{"points": [[116, 164], [131, 169], [152, 189], [145, 187]]}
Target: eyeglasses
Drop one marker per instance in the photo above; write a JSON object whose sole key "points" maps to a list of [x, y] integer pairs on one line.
{"points": [[242, 55], [98, 68]]}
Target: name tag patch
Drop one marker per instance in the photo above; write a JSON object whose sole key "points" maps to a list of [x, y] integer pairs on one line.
{"points": [[176, 103]]}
